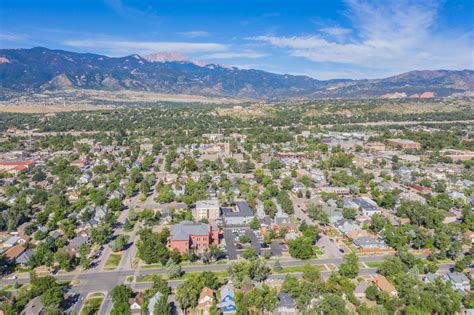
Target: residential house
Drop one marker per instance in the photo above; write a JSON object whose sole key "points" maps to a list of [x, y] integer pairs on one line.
{"points": [[152, 302], [12, 241], [75, 243], [24, 257], [189, 235], [286, 305], [206, 298], [13, 253], [365, 204], [458, 280], [369, 242], [430, 277], [334, 215], [136, 303], [385, 286], [346, 226], [227, 302], [283, 221]]}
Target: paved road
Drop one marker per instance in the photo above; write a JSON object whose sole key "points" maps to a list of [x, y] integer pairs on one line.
{"points": [[103, 280], [106, 281]]}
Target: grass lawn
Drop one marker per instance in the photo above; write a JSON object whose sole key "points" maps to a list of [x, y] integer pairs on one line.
{"points": [[152, 266], [92, 304], [374, 264], [317, 250], [185, 263], [295, 269], [184, 276], [113, 260]]}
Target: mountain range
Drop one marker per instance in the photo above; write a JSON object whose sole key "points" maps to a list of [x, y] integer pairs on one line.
{"points": [[39, 69]]}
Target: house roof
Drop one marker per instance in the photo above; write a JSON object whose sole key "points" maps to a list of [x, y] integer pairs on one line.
{"points": [[431, 277], [365, 240], [138, 299], [206, 292], [383, 284], [285, 300], [182, 231], [24, 257], [13, 252], [457, 277], [12, 240], [78, 241], [153, 300]]}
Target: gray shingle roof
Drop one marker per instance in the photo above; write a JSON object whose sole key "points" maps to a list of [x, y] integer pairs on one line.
{"points": [[242, 210], [24, 257], [183, 230], [285, 300]]}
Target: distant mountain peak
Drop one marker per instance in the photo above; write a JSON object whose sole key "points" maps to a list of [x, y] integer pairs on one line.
{"points": [[173, 56]]}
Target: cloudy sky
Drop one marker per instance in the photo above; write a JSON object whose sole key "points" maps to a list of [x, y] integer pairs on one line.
{"points": [[322, 39]]}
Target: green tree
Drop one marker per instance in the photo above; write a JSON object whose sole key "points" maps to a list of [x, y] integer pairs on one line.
{"points": [[101, 233], [120, 243], [115, 204], [173, 270], [350, 266], [52, 297], [255, 224], [162, 306], [277, 266], [349, 213], [249, 253], [300, 248]]}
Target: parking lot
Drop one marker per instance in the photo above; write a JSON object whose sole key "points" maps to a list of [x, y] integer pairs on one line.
{"points": [[234, 247]]}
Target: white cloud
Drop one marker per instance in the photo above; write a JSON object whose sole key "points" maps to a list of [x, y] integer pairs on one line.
{"points": [[336, 31], [390, 37], [117, 46], [12, 37], [231, 55], [194, 34]]}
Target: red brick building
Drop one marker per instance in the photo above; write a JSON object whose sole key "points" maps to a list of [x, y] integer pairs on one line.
{"points": [[189, 235]]}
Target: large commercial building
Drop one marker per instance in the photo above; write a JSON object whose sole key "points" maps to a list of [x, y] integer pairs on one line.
{"points": [[189, 235], [403, 143], [240, 215], [206, 209]]}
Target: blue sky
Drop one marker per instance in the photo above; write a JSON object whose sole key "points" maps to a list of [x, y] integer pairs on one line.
{"points": [[322, 39]]}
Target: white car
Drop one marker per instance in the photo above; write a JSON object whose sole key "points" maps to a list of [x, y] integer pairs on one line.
{"points": [[13, 277]]}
